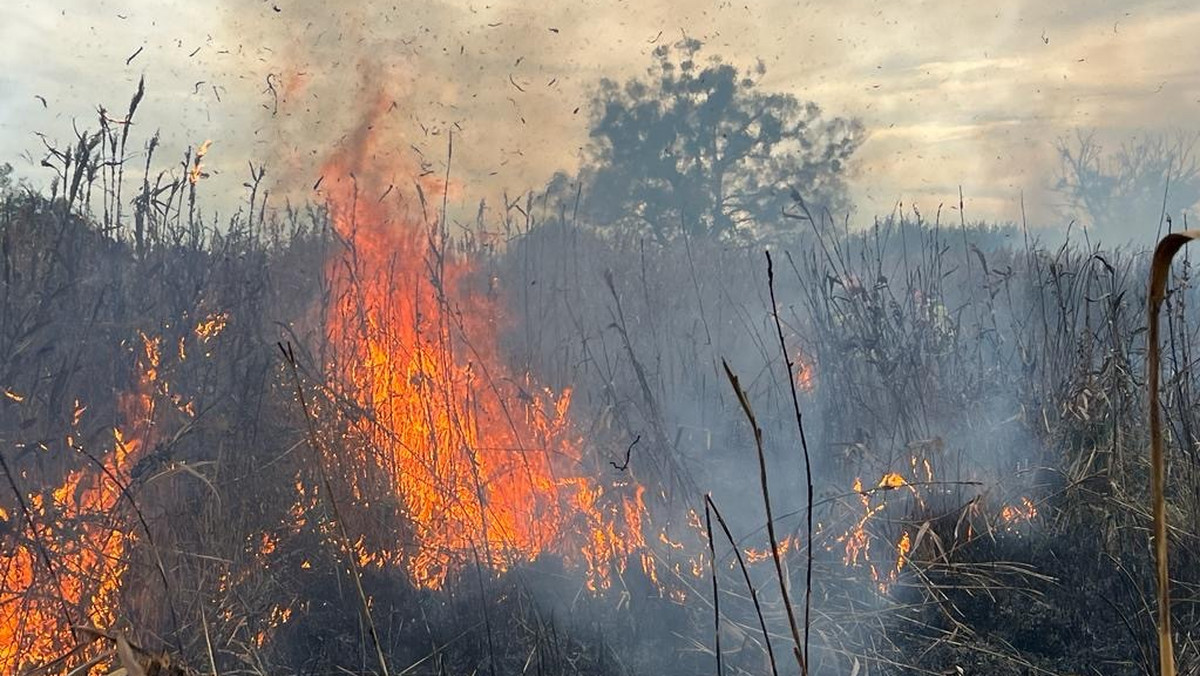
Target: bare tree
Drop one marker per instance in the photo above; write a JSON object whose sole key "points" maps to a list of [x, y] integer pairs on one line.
{"points": [[1131, 189]]}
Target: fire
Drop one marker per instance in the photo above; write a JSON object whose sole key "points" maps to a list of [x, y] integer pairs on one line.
{"points": [[885, 569], [759, 555], [857, 540], [805, 375], [77, 527], [278, 616], [196, 170], [902, 549], [1015, 514], [77, 415], [662, 537], [211, 326], [482, 458]]}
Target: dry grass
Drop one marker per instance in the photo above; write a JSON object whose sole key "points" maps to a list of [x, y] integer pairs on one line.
{"points": [[1013, 368]]}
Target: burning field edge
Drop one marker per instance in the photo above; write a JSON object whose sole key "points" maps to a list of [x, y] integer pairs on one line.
{"points": [[500, 445]]}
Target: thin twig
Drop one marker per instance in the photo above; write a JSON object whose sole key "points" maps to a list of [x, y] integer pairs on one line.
{"points": [[762, 472], [487, 622], [629, 451], [762, 623], [212, 660], [712, 552], [791, 378]]}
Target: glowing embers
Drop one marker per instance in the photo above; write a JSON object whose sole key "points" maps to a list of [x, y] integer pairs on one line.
{"points": [[211, 326], [481, 460], [1014, 515], [804, 372], [857, 541], [754, 556]]}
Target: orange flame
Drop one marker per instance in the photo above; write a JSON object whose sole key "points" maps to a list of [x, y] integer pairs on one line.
{"points": [[857, 540], [1024, 512], [196, 170], [211, 326], [78, 529], [759, 555], [482, 458], [902, 549], [805, 374]]}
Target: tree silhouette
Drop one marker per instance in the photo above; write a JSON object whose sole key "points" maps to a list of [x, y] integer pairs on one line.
{"points": [[701, 150], [1128, 190]]}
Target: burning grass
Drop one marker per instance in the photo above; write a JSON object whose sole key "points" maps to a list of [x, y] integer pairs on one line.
{"points": [[513, 444]]}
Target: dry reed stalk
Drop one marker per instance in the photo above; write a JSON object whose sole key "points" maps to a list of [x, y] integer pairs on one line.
{"points": [[712, 552], [762, 623], [1160, 270], [797, 649], [808, 480]]}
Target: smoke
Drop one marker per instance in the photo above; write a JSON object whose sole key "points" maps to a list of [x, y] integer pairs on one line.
{"points": [[971, 97], [491, 77], [968, 99], [977, 108]]}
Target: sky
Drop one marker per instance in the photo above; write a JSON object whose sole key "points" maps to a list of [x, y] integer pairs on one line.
{"points": [[953, 94]]}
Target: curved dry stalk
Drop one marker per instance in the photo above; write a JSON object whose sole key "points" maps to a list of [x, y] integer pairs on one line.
{"points": [[1160, 269]]}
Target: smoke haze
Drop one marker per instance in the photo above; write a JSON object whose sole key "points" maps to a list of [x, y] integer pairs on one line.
{"points": [[952, 94]]}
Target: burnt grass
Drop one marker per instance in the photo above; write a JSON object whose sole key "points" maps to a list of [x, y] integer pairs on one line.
{"points": [[1013, 367], [1078, 617]]}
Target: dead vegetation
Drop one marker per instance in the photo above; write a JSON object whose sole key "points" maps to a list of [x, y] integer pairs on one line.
{"points": [[973, 400]]}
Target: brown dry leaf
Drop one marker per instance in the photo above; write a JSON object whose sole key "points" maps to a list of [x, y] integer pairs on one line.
{"points": [[129, 661]]}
